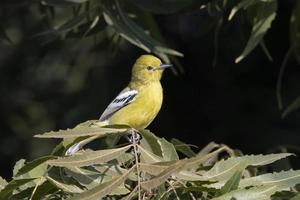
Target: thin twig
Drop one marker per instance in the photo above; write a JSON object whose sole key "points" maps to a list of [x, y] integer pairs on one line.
{"points": [[131, 194], [135, 148], [36, 186], [177, 197], [280, 77]]}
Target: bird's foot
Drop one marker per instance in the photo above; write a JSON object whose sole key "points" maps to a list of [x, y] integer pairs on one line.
{"points": [[134, 137]]}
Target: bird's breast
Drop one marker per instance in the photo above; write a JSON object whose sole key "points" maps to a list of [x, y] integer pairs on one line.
{"points": [[142, 111]]}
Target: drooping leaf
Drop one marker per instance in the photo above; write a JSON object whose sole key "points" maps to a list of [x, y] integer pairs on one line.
{"points": [[291, 107], [165, 6], [89, 157], [130, 31], [57, 3], [76, 1], [295, 30], [103, 189], [261, 14], [183, 148], [4, 35]]}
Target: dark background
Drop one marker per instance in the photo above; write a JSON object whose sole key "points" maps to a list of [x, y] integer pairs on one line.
{"points": [[55, 85]]}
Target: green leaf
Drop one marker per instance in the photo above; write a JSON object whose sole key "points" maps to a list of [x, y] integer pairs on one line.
{"points": [[168, 150], [295, 30], [232, 183], [261, 13], [165, 6], [89, 157], [43, 190], [254, 193], [130, 31], [188, 175], [103, 189], [244, 4], [195, 162], [57, 3], [81, 131], [150, 142], [224, 169], [4, 35], [19, 164], [70, 188], [77, 1], [282, 180], [12, 185], [155, 169], [3, 183], [163, 176], [149, 157], [31, 165], [291, 107], [297, 197], [182, 147]]}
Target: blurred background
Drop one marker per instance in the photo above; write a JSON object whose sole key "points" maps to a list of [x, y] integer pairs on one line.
{"points": [[62, 62]]}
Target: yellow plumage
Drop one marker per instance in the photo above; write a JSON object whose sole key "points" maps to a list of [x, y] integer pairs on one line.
{"points": [[145, 81], [138, 104]]}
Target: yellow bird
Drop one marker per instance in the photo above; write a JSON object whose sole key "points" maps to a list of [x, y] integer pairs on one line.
{"points": [[139, 103]]}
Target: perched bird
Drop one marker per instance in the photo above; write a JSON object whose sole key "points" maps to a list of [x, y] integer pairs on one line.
{"points": [[138, 104]]}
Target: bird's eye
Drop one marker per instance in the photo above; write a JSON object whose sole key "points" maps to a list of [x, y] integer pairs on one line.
{"points": [[149, 68]]}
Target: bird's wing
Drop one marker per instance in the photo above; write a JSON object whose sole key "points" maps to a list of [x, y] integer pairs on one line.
{"points": [[123, 99]]}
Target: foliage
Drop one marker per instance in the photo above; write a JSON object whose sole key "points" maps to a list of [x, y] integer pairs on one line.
{"points": [[134, 21], [149, 169]]}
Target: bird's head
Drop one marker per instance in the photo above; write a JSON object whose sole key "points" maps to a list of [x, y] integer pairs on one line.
{"points": [[148, 68]]}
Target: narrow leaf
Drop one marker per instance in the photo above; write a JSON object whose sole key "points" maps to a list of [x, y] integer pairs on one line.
{"points": [[168, 150], [80, 132], [282, 180], [19, 164], [3, 183], [89, 158], [182, 147], [232, 183], [31, 165], [103, 189], [262, 14], [163, 176], [224, 169], [149, 157], [291, 107], [64, 186], [12, 185], [254, 193]]}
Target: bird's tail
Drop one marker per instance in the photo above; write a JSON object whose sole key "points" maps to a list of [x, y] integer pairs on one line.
{"points": [[93, 123]]}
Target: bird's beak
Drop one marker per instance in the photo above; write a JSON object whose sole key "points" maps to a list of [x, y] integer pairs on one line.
{"points": [[163, 66]]}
